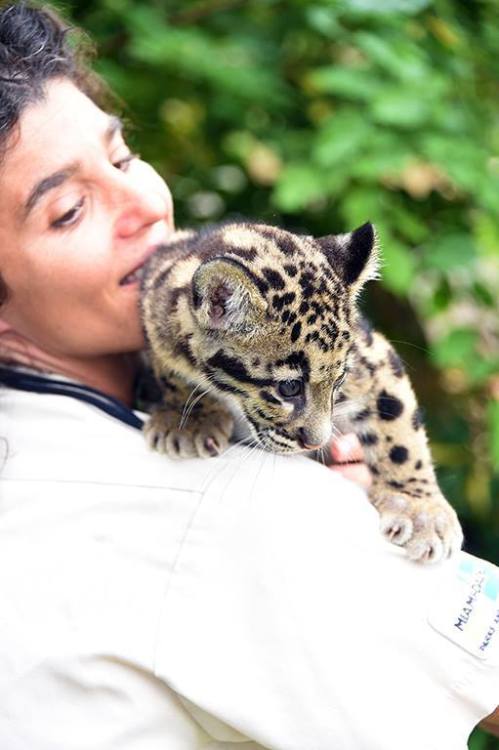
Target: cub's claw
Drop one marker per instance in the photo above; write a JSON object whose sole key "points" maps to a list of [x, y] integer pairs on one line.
{"points": [[204, 437], [428, 528]]}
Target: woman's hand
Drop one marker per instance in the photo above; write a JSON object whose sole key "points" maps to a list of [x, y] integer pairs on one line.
{"points": [[348, 459]]}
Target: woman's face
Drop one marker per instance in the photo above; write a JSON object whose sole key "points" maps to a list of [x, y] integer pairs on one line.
{"points": [[78, 215]]}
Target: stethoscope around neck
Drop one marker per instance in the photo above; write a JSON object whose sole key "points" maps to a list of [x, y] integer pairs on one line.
{"points": [[34, 383]]}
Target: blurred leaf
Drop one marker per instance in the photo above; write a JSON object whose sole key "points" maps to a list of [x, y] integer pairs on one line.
{"points": [[350, 83], [364, 204], [442, 297], [484, 295], [340, 138], [455, 349], [297, 186], [451, 251], [323, 19], [399, 107], [480, 369], [389, 6], [399, 57], [463, 161], [385, 154]]}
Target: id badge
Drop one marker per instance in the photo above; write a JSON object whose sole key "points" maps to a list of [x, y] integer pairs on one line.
{"points": [[467, 609]]}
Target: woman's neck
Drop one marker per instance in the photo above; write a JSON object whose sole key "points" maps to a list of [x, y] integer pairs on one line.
{"points": [[113, 374]]}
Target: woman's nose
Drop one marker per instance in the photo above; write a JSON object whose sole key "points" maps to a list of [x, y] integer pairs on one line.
{"points": [[138, 208]]}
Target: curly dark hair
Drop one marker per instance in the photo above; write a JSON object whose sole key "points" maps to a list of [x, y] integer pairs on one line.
{"points": [[37, 45]]}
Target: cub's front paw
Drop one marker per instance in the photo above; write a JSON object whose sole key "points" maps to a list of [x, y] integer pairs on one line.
{"points": [[205, 435], [428, 528]]}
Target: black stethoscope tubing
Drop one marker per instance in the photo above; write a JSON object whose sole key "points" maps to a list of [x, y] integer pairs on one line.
{"points": [[22, 381]]}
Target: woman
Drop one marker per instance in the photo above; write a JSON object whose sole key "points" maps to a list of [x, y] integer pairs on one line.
{"points": [[246, 601]]}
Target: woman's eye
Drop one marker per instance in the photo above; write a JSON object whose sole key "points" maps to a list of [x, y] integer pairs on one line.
{"points": [[69, 217], [290, 388], [124, 163]]}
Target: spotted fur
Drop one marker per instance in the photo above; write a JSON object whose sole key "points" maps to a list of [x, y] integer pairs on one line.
{"points": [[265, 321]]}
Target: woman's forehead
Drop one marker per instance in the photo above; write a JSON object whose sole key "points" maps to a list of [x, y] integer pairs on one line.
{"points": [[52, 132]]}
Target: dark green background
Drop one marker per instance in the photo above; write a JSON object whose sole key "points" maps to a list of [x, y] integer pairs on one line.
{"points": [[319, 116]]}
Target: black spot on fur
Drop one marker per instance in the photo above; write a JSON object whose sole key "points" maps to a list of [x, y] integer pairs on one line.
{"points": [[374, 471], [304, 308], [311, 319], [418, 465], [396, 485], [277, 302], [243, 252], [389, 407], [298, 361], [274, 278], [290, 269], [396, 364], [364, 414], [260, 284], [295, 332], [280, 300], [368, 438], [307, 287], [330, 330], [399, 454], [284, 242], [417, 419]]}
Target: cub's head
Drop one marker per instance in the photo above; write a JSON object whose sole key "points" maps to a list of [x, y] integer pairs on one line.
{"points": [[274, 315]]}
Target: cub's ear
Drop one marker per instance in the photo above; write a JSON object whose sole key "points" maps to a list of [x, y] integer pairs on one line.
{"points": [[226, 297], [354, 256]]}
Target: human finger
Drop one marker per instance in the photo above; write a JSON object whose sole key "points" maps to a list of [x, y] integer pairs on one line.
{"points": [[346, 448]]}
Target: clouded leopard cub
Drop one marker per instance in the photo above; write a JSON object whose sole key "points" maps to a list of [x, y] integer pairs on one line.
{"points": [[266, 320]]}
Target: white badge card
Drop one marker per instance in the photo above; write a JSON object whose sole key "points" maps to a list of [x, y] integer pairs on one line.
{"points": [[467, 609]]}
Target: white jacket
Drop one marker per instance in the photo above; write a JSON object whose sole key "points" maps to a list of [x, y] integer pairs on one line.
{"points": [[238, 603]]}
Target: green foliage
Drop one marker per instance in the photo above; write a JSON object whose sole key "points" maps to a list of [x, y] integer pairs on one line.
{"points": [[320, 115]]}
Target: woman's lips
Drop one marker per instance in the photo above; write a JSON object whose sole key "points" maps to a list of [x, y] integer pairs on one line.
{"points": [[133, 277]]}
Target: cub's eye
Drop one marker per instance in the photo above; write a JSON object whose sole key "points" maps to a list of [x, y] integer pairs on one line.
{"points": [[290, 388]]}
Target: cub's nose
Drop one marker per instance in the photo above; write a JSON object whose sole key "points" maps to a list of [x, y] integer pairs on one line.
{"points": [[306, 440]]}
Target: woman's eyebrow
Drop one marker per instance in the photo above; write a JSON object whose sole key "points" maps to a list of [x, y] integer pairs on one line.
{"points": [[57, 178], [48, 183]]}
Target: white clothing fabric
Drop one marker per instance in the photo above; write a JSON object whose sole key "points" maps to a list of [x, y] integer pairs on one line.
{"points": [[238, 603]]}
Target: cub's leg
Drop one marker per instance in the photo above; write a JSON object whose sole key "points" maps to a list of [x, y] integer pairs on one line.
{"points": [[385, 416], [188, 423]]}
